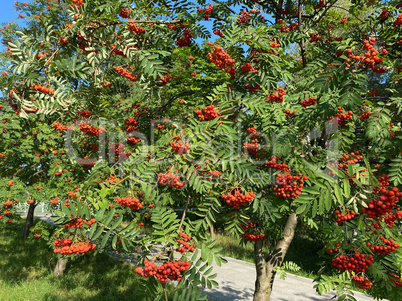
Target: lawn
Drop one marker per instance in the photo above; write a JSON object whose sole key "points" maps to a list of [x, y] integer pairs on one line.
{"points": [[26, 273]]}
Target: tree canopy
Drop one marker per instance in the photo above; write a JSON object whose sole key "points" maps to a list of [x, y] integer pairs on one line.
{"points": [[123, 109]]}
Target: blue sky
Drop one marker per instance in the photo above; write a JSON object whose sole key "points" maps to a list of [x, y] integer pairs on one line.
{"points": [[7, 13]]}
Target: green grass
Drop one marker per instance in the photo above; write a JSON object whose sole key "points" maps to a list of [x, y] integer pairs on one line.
{"points": [[302, 251], [26, 273]]}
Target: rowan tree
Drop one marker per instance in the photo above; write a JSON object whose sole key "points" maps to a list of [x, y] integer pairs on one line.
{"points": [[236, 128]]}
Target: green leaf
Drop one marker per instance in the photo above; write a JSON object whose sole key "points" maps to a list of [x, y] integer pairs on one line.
{"points": [[99, 214], [117, 222], [338, 194], [109, 217], [66, 211], [105, 239], [98, 233], [346, 188]]}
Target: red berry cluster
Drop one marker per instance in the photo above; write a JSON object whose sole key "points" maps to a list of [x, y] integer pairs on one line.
{"points": [[116, 51], [80, 248], [252, 147], [221, 59], [138, 30], [320, 4], [277, 97], [78, 222], [248, 68], [347, 159], [370, 59], [314, 37], [344, 20], [179, 148], [274, 44], [61, 127], [308, 102], [252, 88], [206, 12], [184, 245], [91, 130], [390, 246], [131, 124], [342, 117], [236, 199], [119, 151], [384, 14], [289, 186], [62, 40], [170, 179], [63, 242], [125, 13], [385, 203], [342, 217], [333, 250], [273, 164], [186, 39], [288, 27], [106, 84], [170, 270], [390, 218], [383, 180], [77, 3], [397, 281], [252, 130], [164, 80], [365, 115], [248, 226], [218, 33], [125, 73], [253, 237], [398, 21], [250, 236], [358, 263], [130, 202], [42, 89], [209, 113], [8, 204], [84, 114], [133, 140], [244, 17], [363, 283], [289, 114], [55, 201]]}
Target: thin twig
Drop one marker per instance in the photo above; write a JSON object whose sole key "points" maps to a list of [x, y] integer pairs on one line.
{"points": [[323, 14], [169, 102], [150, 2], [164, 290], [184, 212]]}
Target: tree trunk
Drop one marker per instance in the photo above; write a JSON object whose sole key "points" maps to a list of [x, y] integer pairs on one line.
{"points": [[265, 274], [212, 231], [29, 221], [60, 267], [265, 266]]}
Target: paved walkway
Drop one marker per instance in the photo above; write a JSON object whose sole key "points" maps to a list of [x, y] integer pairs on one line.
{"points": [[236, 283]]}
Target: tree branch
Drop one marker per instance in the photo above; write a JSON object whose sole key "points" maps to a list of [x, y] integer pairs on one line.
{"points": [[184, 212], [174, 97]]}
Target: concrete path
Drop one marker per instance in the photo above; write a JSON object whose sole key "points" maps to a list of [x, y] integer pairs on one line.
{"points": [[236, 283]]}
